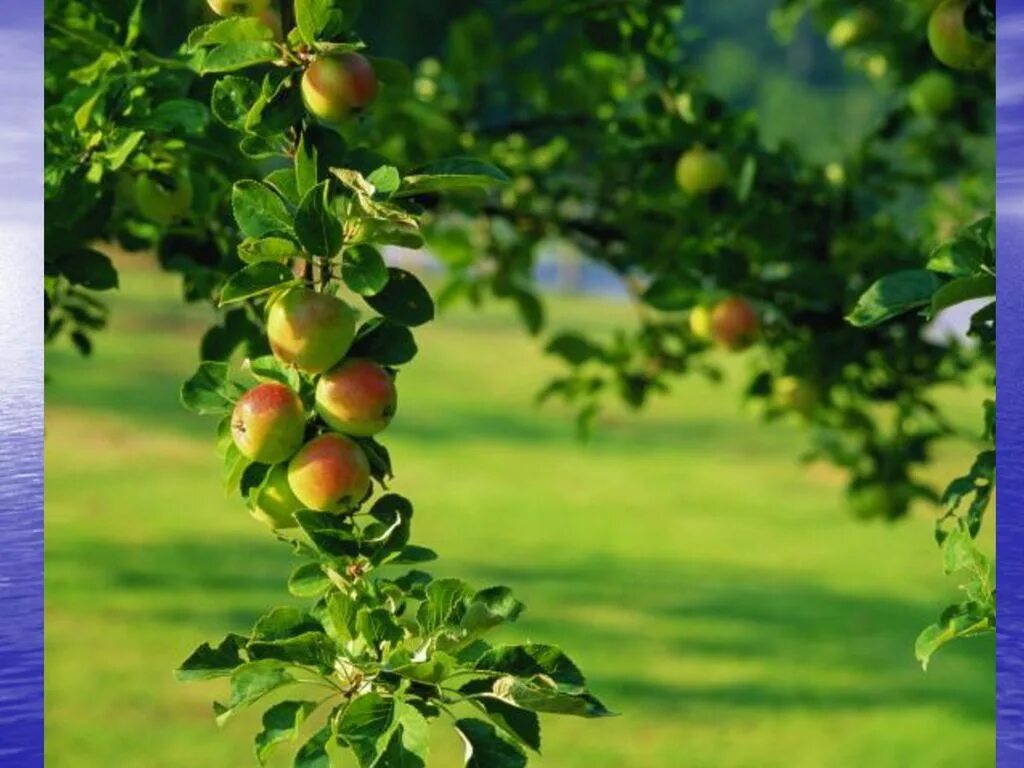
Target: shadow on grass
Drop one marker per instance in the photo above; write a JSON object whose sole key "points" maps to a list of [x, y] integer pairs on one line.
{"points": [[626, 620]]}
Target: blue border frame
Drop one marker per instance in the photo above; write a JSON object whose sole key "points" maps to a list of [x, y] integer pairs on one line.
{"points": [[1010, 373], [21, 394]]}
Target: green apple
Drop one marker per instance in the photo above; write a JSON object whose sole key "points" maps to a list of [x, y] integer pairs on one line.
{"points": [[238, 7], [310, 330], [951, 41], [330, 473], [700, 170], [163, 198], [333, 86], [932, 94], [734, 323], [274, 503], [795, 394], [357, 397], [268, 423], [700, 323]]}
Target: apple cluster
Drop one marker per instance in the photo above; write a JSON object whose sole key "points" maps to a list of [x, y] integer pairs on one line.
{"points": [[315, 462]]}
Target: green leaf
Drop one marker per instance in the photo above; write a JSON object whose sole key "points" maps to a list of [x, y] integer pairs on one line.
{"points": [[363, 270], [269, 368], [385, 342], [366, 727], [409, 746], [540, 694], [283, 622], [412, 554], [669, 294], [437, 668], [281, 723], [251, 682], [519, 723], [230, 57], [453, 174], [316, 223], [305, 165], [285, 184], [255, 280], [487, 748], [489, 608], [342, 610], [960, 257], [403, 300], [574, 349], [259, 210], [445, 605], [279, 249], [186, 116], [308, 580], [378, 627], [88, 268], [313, 754], [963, 289], [207, 662], [385, 179], [236, 29], [209, 391], [232, 98], [318, 19], [893, 295], [313, 649]]}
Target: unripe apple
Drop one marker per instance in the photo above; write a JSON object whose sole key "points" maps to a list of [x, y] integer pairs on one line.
{"points": [[330, 473], [274, 503], [700, 170], [932, 93], [952, 43], [700, 322], [852, 27], [310, 330], [268, 423], [332, 86], [734, 323], [357, 397], [795, 394], [163, 198], [238, 7]]}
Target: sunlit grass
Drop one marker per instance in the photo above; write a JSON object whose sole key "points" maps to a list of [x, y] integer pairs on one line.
{"points": [[709, 583]]}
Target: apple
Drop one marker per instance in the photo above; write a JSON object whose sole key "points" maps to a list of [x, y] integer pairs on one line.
{"points": [[268, 423], [274, 503], [700, 170], [163, 198], [238, 7], [795, 394], [951, 41], [734, 324], [357, 397], [700, 322], [310, 330], [852, 27], [330, 473], [333, 86], [932, 93]]}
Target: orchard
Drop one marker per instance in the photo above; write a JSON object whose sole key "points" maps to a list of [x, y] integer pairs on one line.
{"points": [[277, 155]]}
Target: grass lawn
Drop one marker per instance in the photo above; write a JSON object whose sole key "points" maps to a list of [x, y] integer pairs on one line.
{"points": [[710, 585]]}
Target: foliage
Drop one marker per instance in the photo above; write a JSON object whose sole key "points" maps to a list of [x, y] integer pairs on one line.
{"points": [[551, 93]]}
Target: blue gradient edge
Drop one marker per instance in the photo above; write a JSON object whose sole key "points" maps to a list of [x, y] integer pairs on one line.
{"points": [[21, 400], [1010, 372]]}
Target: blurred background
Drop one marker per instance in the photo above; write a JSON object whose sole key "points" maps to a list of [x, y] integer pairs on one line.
{"points": [[713, 587]]}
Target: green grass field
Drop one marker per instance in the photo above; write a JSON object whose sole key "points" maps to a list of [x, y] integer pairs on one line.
{"points": [[710, 585]]}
